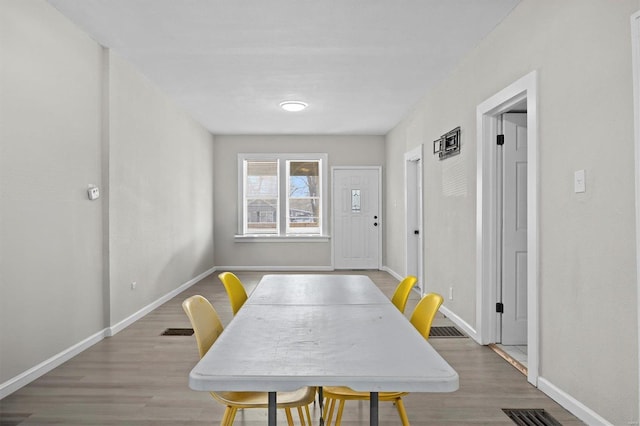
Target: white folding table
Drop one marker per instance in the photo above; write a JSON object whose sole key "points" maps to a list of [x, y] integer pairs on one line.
{"points": [[321, 330]]}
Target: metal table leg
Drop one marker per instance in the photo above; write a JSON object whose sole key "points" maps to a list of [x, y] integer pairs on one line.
{"points": [[272, 409], [373, 410], [321, 403]]}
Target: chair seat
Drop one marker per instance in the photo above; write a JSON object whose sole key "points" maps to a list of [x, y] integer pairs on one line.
{"points": [[302, 396], [344, 392]]}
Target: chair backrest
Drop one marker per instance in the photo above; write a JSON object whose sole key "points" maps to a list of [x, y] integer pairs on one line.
{"points": [[235, 290], [204, 320], [424, 313], [401, 294]]}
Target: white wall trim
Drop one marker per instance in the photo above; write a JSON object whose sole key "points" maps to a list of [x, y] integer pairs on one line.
{"points": [[116, 328], [486, 245], [635, 45], [274, 268], [571, 404], [44, 367], [391, 272], [465, 326]]}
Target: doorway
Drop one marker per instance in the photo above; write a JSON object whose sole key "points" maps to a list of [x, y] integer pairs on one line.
{"points": [[511, 162], [357, 224], [489, 219], [413, 223]]}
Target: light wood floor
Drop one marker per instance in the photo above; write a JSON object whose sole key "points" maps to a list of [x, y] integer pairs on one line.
{"points": [[139, 377]]}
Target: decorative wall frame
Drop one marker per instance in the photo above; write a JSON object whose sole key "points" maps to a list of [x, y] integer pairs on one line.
{"points": [[448, 144]]}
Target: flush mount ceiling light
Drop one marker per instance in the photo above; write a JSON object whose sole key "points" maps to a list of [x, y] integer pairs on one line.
{"points": [[293, 106]]}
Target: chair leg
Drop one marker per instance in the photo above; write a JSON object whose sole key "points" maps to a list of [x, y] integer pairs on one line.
{"points": [[330, 404], [309, 413], [289, 417], [402, 412], [225, 416], [301, 416], [229, 416], [340, 410]]}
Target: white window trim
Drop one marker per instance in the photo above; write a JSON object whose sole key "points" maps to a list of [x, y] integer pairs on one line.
{"points": [[282, 164]]}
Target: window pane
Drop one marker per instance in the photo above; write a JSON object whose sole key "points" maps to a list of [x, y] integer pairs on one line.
{"points": [[262, 179], [301, 213], [261, 197], [262, 215], [304, 196], [303, 179]]}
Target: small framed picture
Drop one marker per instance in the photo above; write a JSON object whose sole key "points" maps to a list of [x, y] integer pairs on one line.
{"points": [[449, 144]]}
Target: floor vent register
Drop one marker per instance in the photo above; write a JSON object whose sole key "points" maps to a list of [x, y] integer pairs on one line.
{"points": [[447, 331], [178, 332], [531, 417]]}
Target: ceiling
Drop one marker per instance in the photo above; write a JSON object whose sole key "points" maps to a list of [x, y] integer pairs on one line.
{"points": [[361, 65]]}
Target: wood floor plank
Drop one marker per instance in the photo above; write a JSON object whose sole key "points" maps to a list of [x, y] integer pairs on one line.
{"points": [[139, 377]]}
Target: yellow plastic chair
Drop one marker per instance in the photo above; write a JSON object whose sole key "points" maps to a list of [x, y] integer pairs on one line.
{"points": [[235, 290], [421, 318], [401, 294], [207, 327], [424, 313]]}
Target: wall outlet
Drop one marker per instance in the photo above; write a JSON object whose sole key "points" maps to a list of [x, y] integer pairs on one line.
{"points": [[450, 293], [133, 285], [93, 192]]}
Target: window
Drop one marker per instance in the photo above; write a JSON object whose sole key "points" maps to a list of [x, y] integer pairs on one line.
{"points": [[282, 194], [261, 197]]}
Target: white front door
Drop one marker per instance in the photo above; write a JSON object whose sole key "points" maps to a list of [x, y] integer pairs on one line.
{"points": [[356, 218], [514, 229]]}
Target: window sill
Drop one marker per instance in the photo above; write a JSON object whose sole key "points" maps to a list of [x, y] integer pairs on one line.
{"points": [[292, 238]]}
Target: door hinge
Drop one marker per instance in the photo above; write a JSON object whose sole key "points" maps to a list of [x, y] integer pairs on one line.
{"points": [[499, 308], [500, 140]]}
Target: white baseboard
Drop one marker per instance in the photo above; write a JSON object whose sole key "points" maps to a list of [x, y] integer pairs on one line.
{"points": [[44, 367], [150, 307], [571, 404], [568, 402], [393, 273], [466, 327], [275, 268]]}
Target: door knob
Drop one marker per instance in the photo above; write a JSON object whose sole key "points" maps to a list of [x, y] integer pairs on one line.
{"points": [[375, 223]]}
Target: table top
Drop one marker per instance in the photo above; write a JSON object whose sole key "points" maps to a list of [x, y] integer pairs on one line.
{"points": [[276, 343], [316, 289]]}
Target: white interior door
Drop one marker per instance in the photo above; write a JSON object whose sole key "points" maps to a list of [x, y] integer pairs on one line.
{"points": [[356, 218], [514, 230]]}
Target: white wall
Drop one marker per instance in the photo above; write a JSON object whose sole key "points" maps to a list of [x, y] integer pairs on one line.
{"points": [[71, 114], [161, 193], [50, 150], [342, 151], [588, 330]]}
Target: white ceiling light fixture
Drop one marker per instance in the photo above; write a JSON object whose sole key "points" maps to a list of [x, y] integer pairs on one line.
{"points": [[293, 106]]}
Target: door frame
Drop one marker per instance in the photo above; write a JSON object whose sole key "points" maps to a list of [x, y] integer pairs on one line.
{"points": [[487, 114], [412, 174], [380, 207], [635, 45]]}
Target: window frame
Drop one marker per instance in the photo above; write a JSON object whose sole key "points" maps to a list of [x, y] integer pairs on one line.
{"points": [[283, 160]]}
